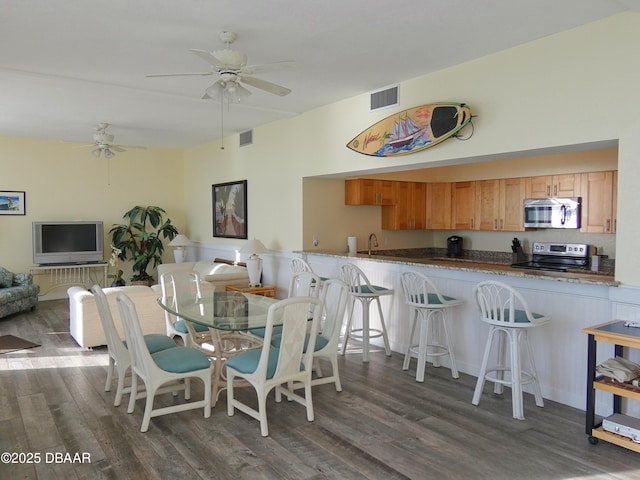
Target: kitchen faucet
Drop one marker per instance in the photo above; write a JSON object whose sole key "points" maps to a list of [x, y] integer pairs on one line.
{"points": [[375, 241]]}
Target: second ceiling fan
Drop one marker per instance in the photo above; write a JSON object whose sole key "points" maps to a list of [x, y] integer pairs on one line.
{"points": [[232, 70]]}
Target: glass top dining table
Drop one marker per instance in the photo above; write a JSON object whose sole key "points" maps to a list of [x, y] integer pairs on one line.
{"points": [[228, 311]]}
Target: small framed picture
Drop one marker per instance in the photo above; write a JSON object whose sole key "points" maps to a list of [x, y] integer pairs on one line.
{"points": [[230, 209], [12, 203]]}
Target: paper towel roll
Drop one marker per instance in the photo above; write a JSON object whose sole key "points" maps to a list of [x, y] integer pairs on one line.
{"points": [[352, 245]]}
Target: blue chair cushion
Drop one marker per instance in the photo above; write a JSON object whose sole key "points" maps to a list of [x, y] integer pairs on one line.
{"points": [[365, 290], [181, 360], [157, 342], [182, 328], [321, 342], [247, 362], [259, 332], [521, 316], [433, 299]]}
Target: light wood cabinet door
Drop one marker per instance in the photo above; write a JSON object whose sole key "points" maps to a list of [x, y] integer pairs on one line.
{"points": [[512, 195], [438, 206], [409, 211], [538, 187], [564, 186], [366, 191], [597, 202], [487, 204], [463, 208]]}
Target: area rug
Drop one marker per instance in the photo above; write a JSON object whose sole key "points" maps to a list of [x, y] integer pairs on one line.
{"points": [[9, 343]]}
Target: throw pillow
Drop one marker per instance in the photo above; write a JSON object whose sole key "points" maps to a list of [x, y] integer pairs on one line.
{"points": [[6, 278]]}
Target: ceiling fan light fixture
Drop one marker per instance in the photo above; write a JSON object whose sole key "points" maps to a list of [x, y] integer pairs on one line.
{"points": [[96, 152], [108, 153], [215, 91]]}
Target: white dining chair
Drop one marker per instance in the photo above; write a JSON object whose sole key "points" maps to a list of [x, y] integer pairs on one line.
{"points": [[176, 284], [273, 368], [334, 298], [119, 357], [169, 370]]}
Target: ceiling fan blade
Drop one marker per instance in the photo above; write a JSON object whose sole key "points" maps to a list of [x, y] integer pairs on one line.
{"points": [[84, 146], [266, 86], [268, 67], [202, 74], [206, 56], [117, 148]]}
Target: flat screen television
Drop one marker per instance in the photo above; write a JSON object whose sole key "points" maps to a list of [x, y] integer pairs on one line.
{"points": [[67, 243]]}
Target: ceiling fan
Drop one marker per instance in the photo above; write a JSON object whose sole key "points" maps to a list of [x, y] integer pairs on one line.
{"points": [[232, 69], [103, 143]]}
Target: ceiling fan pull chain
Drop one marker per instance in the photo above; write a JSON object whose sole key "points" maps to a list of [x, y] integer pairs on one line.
{"points": [[221, 124]]}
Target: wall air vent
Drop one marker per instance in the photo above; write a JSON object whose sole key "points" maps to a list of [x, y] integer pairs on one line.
{"points": [[387, 97], [246, 138]]}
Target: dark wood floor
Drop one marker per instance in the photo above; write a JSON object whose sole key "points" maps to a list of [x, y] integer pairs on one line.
{"points": [[383, 425]]}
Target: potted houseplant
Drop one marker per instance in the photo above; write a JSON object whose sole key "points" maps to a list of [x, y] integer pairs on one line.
{"points": [[140, 240]]}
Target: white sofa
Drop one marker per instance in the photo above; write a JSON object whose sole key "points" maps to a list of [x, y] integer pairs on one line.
{"points": [[218, 273], [84, 322]]}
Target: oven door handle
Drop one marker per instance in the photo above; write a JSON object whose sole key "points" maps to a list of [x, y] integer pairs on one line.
{"points": [[563, 214]]}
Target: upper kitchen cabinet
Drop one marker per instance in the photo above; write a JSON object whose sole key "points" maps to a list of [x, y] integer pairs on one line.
{"points": [[499, 204], [439, 206], [487, 205], [409, 209], [563, 186], [599, 201], [366, 191], [512, 195], [463, 205]]}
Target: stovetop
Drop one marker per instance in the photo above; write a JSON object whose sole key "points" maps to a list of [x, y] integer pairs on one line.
{"points": [[557, 257]]}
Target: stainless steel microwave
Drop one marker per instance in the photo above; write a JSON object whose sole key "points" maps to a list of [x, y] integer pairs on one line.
{"points": [[552, 212]]}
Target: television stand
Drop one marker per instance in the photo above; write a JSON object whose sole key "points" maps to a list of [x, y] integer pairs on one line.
{"points": [[52, 278]]}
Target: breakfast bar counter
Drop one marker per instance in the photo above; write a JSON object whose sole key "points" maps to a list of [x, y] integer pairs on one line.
{"points": [[574, 299], [487, 262]]}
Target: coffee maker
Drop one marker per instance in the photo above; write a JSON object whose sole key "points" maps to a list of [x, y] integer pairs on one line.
{"points": [[454, 246]]}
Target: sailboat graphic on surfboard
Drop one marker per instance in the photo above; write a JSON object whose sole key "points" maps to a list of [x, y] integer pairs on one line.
{"points": [[412, 130]]}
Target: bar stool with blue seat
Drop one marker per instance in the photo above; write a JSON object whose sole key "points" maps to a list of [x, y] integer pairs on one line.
{"points": [[506, 310], [423, 298], [362, 290]]}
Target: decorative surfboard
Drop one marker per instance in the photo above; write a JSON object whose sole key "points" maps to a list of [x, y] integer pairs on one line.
{"points": [[412, 130]]}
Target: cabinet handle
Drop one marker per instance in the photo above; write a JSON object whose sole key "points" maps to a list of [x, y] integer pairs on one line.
{"points": [[548, 190], [501, 224], [555, 190], [495, 223], [471, 222], [608, 225]]}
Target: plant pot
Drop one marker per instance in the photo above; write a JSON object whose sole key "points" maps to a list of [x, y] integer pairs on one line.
{"points": [[146, 283]]}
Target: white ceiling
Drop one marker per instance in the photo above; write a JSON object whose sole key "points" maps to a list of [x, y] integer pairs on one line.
{"points": [[66, 65]]}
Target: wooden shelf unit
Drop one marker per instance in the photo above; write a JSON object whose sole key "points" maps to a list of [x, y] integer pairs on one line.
{"points": [[613, 332]]}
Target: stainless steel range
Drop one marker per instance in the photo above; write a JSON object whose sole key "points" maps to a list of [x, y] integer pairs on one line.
{"points": [[557, 257]]}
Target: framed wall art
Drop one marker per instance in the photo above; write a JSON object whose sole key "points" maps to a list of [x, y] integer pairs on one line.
{"points": [[230, 209], [12, 203]]}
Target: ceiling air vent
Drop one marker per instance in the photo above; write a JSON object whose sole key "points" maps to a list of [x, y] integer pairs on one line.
{"points": [[246, 138], [387, 97]]}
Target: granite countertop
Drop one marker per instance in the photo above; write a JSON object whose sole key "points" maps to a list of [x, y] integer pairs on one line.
{"points": [[479, 261]]}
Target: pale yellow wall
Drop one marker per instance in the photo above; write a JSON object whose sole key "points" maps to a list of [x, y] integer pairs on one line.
{"points": [[66, 183]]}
